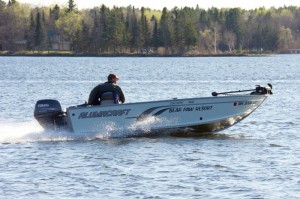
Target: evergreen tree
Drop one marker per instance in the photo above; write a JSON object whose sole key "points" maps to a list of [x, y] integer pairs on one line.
{"points": [[129, 29], [39, 33], [2, 4], [178, 24], [71, 6], [95, 33], [144, 36], [189, 27], [84, 38], [115, 30], [166, 29], [233, 23], [103, 23], [2, 12], [31, 33], [155, 40], [135, 31], [55, 12], [11, 2], [142, 28], [43, 17]]}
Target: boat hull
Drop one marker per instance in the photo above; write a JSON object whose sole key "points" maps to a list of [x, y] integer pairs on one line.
{"points": [[176, 117]]}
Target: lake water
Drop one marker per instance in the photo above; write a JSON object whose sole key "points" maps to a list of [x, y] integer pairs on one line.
{"points": [[257, 158]]}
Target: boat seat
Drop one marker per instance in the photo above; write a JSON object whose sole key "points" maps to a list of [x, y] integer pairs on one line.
{"points": [[107, 98]]}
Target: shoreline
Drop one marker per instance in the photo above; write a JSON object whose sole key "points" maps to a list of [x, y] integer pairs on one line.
{"points": [[72, 54]]}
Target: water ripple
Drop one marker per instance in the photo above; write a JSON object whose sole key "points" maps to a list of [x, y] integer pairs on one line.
{"points": [[257, 158]]}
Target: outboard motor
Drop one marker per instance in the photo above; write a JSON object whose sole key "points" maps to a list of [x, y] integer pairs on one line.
{"points": [[48, 113]]}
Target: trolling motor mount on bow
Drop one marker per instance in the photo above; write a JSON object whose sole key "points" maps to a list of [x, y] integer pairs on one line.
{"points": [[259, 90]]}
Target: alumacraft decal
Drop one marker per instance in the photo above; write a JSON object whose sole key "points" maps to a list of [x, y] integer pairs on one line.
{"points": [[109, 113]]}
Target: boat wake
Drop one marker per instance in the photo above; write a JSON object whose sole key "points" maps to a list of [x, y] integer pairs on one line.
{"points": [[33, 132], [19, 131]]}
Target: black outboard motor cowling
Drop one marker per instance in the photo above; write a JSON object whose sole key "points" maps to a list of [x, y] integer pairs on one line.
{"points": [[48, 113]]}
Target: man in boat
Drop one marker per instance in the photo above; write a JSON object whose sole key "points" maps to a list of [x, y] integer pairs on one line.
{"points": [[107, 93]]}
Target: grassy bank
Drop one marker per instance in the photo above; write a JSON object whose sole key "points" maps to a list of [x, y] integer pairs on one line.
{"points": [[74, 54], [37, 53]]}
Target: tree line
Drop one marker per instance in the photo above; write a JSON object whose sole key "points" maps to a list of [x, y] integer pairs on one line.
{"points": [[117, 30]]}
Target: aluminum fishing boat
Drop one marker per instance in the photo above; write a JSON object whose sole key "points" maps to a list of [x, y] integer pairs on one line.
{"points": [[192, 116]]}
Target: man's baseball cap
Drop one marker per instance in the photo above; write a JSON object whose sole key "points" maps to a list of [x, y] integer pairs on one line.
{"points": [[111, 76]]}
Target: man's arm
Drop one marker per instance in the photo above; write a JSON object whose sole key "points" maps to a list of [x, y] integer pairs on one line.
{"points": [[93, 96], [121, 94]]}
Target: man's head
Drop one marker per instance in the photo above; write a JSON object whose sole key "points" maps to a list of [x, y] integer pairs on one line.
{"points": [[112, 78]]}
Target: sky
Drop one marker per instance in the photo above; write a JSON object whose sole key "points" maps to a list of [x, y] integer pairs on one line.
{"points": [[159, 4]]}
